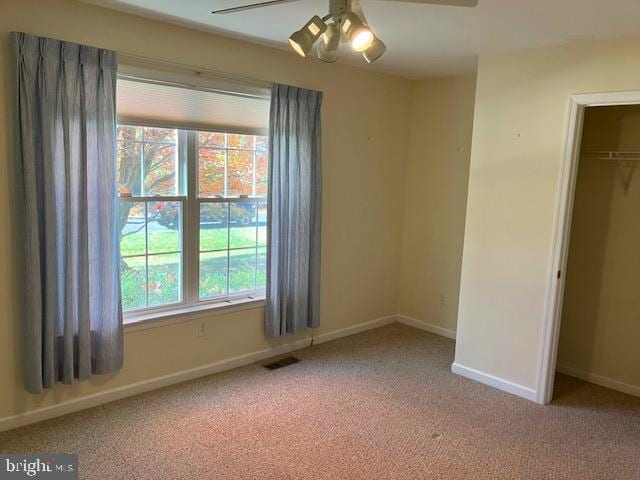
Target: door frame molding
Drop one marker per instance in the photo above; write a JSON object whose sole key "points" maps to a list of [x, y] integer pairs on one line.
{"points": [[562, 230]]}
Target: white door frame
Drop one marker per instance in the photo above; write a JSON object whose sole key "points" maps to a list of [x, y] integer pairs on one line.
{"points": [[562, 230]]}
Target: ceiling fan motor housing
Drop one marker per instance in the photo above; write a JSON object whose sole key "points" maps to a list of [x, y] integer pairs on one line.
{"points": [[337, 8]]}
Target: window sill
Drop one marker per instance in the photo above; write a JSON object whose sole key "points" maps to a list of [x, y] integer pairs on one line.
{"points": [[135, 323]]}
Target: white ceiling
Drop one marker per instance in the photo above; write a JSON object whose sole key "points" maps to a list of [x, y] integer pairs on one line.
{"points": [[422, 40]]}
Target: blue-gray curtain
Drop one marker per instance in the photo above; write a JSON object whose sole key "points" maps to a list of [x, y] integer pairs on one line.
{"points": [[295, 206], [65, 123]]}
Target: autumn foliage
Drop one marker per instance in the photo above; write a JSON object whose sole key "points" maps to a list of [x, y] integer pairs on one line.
{"points": [[228, 164]]}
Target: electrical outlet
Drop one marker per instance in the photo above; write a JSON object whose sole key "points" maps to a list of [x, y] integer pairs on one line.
{"points": [[443, 299], [201, 328]]}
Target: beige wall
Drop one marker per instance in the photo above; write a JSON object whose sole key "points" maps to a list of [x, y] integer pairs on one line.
{"points": [[518, 136], [600, 329], [435, 199], [365, 126]]}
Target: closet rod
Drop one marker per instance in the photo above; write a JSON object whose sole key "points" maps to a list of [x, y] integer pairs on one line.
{"points": [[625, 163], [614, 155]]}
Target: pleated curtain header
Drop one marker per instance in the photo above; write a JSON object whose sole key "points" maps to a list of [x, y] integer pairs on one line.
{"points": [[33, 50]]}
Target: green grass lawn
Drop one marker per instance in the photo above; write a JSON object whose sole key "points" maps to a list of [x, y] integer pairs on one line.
{"points": [[246, 269], [210, 239]]}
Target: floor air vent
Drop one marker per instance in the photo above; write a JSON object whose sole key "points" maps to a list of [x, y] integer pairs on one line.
{"points": [[283, 362]]}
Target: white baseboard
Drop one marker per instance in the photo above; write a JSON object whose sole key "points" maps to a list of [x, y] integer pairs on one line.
{"points": [[428, 327], [600, 380], [117, 393], [496, 382], [352, 330]]}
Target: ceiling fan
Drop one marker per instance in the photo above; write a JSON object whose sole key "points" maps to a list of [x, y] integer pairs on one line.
{"points": [[345, 22]]}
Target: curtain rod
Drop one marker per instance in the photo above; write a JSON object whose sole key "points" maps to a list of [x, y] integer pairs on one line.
{"points": [[198, 71], [181, 67]]}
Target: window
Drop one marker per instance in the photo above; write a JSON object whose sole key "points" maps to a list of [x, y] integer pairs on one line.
{"points": [[193, 216]]}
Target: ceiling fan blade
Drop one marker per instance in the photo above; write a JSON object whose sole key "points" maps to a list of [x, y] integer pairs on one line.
{"points": [[251, 6], [451, 3]]}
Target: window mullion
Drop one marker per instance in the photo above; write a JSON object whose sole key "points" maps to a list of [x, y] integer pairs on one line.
{"points": [[228, 246], [226, 166], [192, 215], [146, 254], [255, 193], [143, 167]]}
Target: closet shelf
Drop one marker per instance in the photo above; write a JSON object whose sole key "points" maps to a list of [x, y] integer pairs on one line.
{"points": [[625, 161]]}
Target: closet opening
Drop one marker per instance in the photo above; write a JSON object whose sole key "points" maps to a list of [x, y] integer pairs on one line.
{"points": [[592, 325], [600, 320]]}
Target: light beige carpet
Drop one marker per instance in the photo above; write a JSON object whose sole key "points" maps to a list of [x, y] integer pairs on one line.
{"points": [[379, 405]]}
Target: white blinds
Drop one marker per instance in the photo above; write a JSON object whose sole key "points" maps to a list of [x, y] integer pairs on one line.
{"points": [[170, 99]]}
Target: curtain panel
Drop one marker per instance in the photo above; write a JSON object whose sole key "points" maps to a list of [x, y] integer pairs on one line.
{"points": [[65, 121], [295, 206]]}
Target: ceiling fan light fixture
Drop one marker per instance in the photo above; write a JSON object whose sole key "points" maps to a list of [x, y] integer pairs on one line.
{"points": [[348, 24], [302, 41], [362, 41], [357, 33], [375, 50], [327, 49]]}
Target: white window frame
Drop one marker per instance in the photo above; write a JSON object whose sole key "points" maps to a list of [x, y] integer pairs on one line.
{"points": [[187, 181]]}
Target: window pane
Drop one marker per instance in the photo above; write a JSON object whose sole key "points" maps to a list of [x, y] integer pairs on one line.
{"points": [[126, 132], [239, 172], [240, 141], [160, 165], [213, 274], [242, 270], [261, 274], [164, 221], [164, 279], [132, 232], [129, 168], [262, 143], [211, 139], [152, 134], [262, 173], [214, 224], [210, 172], [242, 225], [133, 280], [262, 224]]}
